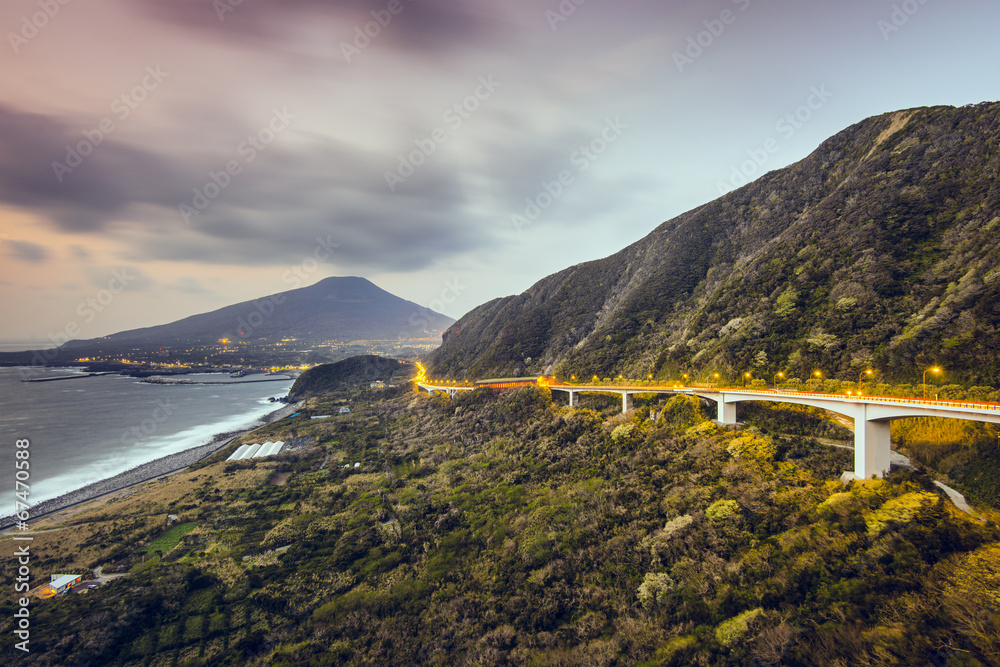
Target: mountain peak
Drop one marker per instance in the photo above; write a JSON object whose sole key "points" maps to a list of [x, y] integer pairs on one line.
{"points": [[335, 308], [876, 251]]}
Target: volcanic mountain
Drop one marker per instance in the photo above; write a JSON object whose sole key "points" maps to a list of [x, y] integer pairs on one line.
{"points": [[337, 309], [877, 250]]}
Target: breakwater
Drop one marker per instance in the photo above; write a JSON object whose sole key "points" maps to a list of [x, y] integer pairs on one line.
{"points": [[65, 377], [163, 380]]}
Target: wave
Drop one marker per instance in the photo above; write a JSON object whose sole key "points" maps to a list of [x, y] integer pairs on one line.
{"points": [[154, 447]]}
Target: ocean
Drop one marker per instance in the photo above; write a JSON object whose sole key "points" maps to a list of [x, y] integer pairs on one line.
{"points": [[87, 429]]}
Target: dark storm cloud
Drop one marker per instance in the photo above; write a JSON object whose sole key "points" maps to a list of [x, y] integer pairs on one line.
{"points": [[111, 176], [280, 207], [26, 252], [422, 25], [272, 212]]}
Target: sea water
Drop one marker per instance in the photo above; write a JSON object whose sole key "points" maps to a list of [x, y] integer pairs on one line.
{"points": [[87, 429]]}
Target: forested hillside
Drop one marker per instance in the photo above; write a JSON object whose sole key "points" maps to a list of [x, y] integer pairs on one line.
{"points": [[878, 250], [501, 529]]}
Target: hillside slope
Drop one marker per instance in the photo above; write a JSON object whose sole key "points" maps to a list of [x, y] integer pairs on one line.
{"points": [[879, 249], [500, 529], [352, 373]]}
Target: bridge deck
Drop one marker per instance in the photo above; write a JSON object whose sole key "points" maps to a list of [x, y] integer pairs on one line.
{"points": [[871, 414]]}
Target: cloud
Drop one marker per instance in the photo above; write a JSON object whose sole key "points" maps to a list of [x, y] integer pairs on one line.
{"points": [[110, 178], [188, 285], [421, 26], [270, 213], [27, 252], [131, 278]]}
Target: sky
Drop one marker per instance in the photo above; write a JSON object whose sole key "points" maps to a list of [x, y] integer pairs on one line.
{"points": [[161, 158]]}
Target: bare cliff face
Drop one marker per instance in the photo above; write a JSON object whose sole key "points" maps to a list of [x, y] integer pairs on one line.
{"points": [[878, 250]]}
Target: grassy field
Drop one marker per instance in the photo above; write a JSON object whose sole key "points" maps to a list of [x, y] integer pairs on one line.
{"points": [[170, 539]]}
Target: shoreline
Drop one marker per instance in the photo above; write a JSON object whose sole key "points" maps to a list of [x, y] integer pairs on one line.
{"points": [[144, 472]]}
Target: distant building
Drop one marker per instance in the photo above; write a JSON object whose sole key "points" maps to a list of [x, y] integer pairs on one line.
{"points": [[344, 410], [60, 583], [377, 384]]}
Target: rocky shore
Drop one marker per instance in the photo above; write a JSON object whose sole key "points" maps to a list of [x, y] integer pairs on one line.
{"points": [[145, 472]]}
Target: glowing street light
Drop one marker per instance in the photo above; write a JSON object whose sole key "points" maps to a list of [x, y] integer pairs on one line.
{"points": [[746, 376], [776, 376], [924, 382]]}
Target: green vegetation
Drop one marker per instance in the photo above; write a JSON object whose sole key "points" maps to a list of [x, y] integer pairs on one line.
{"points": [[352, 372], [170, 539], [499, 528]]}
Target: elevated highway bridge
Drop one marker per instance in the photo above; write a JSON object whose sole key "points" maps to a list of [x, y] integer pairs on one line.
{"points": [[871, 414]]}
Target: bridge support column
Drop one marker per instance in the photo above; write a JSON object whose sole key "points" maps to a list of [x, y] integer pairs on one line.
{"points": [[574, 400], [727, 412], [871, 448], [626, 402]]}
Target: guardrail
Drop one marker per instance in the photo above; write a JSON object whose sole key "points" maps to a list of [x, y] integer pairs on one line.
{"points": [[930, 402]]}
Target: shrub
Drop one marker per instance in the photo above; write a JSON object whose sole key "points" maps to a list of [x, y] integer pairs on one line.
{"points": [[654, 589], [730, 630], [753, 448], [723, 510]]}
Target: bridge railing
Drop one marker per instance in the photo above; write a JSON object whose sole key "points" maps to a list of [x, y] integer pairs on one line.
{"points": [[881, 399], [789, 392], [617, 388]]}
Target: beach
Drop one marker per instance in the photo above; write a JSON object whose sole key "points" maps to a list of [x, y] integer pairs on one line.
{"points": [[160, 467]]}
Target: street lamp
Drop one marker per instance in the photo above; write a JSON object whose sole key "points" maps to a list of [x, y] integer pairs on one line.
{"points": [[776, 376], [715, 376], [685, 377], [869, 372], [746, 376], [924, 381]]}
